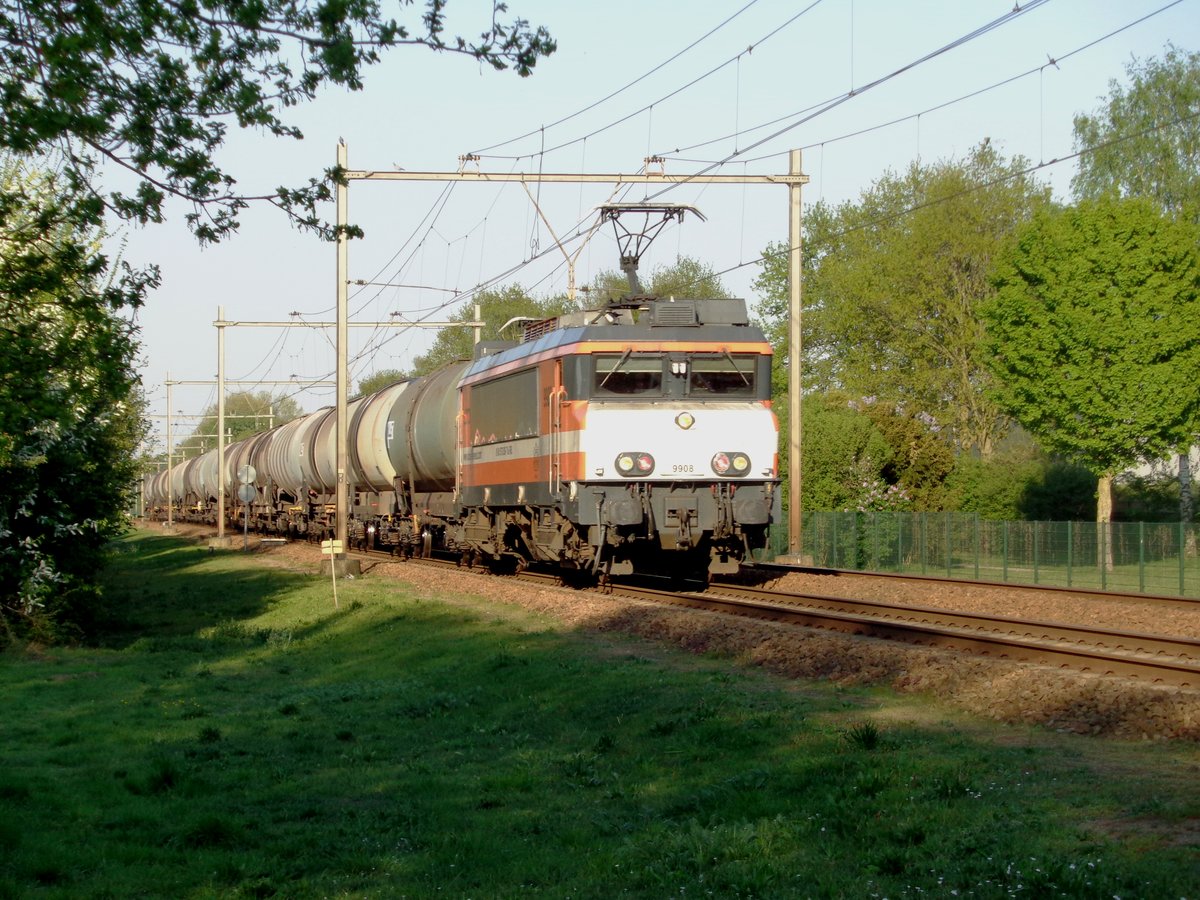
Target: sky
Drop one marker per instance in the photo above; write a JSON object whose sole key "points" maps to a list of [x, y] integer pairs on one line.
{"points": [[858, 85]]}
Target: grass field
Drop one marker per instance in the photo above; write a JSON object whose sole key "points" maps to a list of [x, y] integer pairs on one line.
{"points": [[234, 736]]}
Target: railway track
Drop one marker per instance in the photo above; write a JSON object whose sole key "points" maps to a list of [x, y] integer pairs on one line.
{"points": [[1147, 658], [777, 570], [1151, 659]]}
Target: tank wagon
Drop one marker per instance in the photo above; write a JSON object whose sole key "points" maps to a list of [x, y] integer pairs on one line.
{"points": [[636, 437]]}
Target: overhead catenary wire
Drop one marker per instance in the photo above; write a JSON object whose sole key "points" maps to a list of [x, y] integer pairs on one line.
{"points": [[742, 158], [485, 284], [1055, 59], [619, 90], [445, 190], [880, 220], [986, 28], [676, 92], [972, 35], [1028, 170], [471, 292]]}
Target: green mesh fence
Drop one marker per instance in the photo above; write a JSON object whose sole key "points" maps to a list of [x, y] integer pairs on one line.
{"points": [[1132, 557]]}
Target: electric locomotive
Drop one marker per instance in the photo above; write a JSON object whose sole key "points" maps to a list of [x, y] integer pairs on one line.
{"points": [[638, 437]]}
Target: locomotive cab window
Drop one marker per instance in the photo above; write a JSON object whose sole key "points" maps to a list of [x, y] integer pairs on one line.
{"points": [[627, 374], [504, 409], [729, 375]]}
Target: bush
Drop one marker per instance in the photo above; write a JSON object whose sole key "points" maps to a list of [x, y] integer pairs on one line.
{"points": [[69, 407], [1060, 492], [1020, 486], [844, 454], [1146, 499]]}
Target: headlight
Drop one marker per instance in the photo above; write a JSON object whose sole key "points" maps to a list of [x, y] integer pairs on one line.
{"points": [[731, 463], [635, 465]]}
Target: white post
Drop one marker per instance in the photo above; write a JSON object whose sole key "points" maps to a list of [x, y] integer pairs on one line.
{"points": [[170, 437], [343, 265], [220, 423]]}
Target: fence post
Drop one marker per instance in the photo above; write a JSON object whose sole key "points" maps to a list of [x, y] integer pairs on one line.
{"points": [[922, 541], [834, 517], [1004, 550], [1102, 551], [1141, 557], [1070, 551], [949, 553], [1182, 550], [1036, 529], [860, 529], [976, 546], [875, 540], [899, 545]]}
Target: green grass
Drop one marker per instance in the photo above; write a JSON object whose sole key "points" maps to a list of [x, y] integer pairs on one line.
{"points": [[236, 737]]}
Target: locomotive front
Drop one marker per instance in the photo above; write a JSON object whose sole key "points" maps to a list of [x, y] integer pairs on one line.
{"points": [[635, 438]]}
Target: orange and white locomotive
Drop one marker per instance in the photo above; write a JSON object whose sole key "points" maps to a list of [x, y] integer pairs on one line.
{"points": [[639, 436]]}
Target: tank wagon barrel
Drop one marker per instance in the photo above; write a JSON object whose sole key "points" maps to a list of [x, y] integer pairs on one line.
{"points": [[420, 432], [367, 449]]}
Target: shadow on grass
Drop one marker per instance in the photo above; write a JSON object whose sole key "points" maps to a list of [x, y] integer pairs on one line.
{"points": [[165, 586], [412, 744]]}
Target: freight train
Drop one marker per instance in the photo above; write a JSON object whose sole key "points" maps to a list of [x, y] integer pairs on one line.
{"points": [[638, 436], [634, 437]]}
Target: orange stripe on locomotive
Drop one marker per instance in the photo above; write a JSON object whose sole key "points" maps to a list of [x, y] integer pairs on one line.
{"points": [[531, 470], [498, 414]]}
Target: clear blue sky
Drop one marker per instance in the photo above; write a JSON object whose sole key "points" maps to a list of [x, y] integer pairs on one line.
{"points": [[420, 111]]}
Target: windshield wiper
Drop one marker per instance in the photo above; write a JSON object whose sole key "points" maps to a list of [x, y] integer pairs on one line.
{"points": [[736, 369], [613, 370]]}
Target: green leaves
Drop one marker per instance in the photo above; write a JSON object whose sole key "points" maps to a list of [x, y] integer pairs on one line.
{"points": [[892, 285], [1145, 141], [247, 413], [498, 306], [686, 277], [69, 402], [152, 85], [1094, 333]]}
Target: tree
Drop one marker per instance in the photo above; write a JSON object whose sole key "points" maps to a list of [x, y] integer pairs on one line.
{"points": [[685, 278], [150, 86], [498, 306], [892, 286], [246, 413], [153, 85], [70, 409], [377, 381], [1021, 483], [1145, 142], [1094, 334]]}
